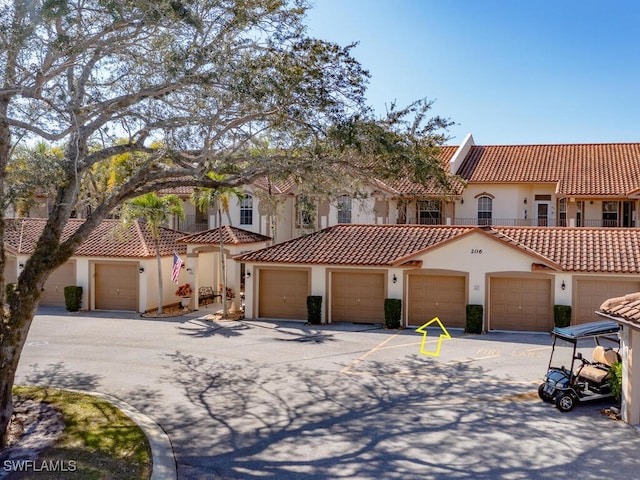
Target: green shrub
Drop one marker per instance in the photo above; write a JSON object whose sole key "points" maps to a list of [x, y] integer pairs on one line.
{"points": [[562, 315], [392, 312], [73, 298], [9, 288], [474, 319], [616, 380], [314, 309]]}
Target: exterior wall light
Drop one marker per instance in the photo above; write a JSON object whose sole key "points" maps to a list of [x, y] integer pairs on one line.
{"points": [[563, 285], [395, 279], [248, 274], [141, 269]]}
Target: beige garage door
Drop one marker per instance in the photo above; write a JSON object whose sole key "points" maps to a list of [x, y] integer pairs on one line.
{"points": [[116, 286], [357, 297], [591, 293], [283, 294], [442, 296], [520, 304], [53, 294]]}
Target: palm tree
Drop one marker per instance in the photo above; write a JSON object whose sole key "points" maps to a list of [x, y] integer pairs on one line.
{"points": [[218, 198], [156, 211]]}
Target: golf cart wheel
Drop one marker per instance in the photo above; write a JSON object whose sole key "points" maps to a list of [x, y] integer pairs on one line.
{"points": [[565, 402], [544, 396]]}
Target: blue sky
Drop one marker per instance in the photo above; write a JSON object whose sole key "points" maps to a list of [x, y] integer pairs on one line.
{"points": [[509, 71]]}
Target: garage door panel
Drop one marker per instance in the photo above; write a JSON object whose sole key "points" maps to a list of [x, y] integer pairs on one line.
{"points": [[116, 286], [283, 294], [53, 290], [357, 297], [591, 293], [443, 296], [523, 304]]}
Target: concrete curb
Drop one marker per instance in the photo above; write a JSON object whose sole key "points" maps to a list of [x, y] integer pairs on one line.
{"points": [[164, 462]]}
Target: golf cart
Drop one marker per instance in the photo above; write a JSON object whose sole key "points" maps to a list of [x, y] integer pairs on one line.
{"points": [[571, 378]]}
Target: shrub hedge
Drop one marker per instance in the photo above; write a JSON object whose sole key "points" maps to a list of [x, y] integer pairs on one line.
{"points": [[474, 319], [73, 298], [314, 309], [392, 312]]}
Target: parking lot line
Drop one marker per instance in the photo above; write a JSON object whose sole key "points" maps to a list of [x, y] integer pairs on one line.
{"points": [[366, 354]]}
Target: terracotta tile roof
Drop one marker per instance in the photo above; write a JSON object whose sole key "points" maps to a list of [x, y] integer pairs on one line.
{"points": [[374, 245], [625, 308], [609, 250], [276, 186], [576, 169], [606, 250], [109, 239], [407, 187], [230, 236]]}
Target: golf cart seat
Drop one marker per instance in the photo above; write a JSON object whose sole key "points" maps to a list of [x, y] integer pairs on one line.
{"points": [[603, 358]]}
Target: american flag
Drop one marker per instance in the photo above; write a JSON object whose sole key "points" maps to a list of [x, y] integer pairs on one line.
{"points": [[177, 266]]}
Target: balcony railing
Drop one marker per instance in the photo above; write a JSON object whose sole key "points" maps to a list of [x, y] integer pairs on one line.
{"points": [[192, 224], [514, 222]]}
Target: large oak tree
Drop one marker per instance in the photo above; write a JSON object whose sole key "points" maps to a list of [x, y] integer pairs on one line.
{"points": [[189, 85]]}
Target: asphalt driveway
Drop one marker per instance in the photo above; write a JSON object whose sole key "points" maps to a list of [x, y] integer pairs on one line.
{"points": [[254, 399]]}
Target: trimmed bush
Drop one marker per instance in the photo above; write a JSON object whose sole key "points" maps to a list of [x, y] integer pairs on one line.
{"points": [[562, 315], [9, 288], [314, 309], [616, 380], [474, 319], [392, 312], [73, 298]]}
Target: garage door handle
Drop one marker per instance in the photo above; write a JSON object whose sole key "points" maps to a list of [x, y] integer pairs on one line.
{"points": [[284, 299]]}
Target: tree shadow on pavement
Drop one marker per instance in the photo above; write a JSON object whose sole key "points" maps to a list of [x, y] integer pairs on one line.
{"points": [[59, 376], [414, 419], [198, 328]]}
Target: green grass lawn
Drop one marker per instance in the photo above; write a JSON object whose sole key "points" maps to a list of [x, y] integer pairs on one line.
{"points": [[102, 442]]}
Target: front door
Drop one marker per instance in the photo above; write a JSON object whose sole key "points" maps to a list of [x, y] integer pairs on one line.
{"points": [[542, 213]]}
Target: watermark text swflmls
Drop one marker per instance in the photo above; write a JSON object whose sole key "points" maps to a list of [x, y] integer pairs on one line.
{"points": [[39, 466]]}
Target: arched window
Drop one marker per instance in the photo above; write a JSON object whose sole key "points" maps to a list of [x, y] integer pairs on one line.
{"points": [[246, 210], [485, 209]]}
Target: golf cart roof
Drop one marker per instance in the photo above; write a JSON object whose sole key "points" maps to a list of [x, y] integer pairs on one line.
{"points": [[592, 329]]}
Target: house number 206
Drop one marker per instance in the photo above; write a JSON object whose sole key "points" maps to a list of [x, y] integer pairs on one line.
{"points": [[476, 251]]}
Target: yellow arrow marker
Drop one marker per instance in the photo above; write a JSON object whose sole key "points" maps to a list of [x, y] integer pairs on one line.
{"points": [[423, 330]]}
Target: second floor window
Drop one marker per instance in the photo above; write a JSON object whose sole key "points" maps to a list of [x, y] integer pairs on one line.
{"points": [[609, 214], [562, 212], [429, 212], [344, 209], [305, 212], [485, 209], [246, 210]]}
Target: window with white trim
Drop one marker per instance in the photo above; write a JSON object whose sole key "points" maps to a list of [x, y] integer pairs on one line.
{"points": [[246, 210], [305, 212], [485, 210], [344, 209], [429, 212]]}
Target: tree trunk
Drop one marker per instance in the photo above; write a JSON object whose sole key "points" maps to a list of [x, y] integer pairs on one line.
{"points": [[159, 262], [223, 268]]}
